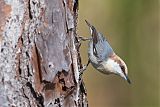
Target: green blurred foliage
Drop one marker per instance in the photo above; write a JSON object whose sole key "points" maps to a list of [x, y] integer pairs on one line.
{"points": [[132, 29]]}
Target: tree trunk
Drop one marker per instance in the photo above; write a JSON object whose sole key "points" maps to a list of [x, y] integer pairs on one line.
{"points": [[39, 58]]}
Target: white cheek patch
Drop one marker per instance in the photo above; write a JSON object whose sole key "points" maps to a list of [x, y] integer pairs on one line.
{"points": [[114, 67]]}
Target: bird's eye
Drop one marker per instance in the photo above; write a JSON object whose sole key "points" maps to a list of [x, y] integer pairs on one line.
{"points": [[123, 69]]}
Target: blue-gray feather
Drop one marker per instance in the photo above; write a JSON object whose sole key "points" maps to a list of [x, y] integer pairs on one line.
{"points": [[103, 51], [99, 48], [102, 48]]}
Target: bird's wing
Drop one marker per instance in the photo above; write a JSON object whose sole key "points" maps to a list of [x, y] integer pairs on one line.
{"points": [[101, 48]]}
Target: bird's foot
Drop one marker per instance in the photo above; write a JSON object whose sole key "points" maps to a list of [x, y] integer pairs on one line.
{"points": [[81, 38], [84, 68]]}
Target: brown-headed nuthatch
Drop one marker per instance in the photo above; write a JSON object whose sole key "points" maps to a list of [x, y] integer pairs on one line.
{"points": [[102, 56]]}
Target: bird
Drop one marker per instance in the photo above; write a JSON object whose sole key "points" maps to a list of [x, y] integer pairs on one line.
{"points": [[102, 56]]}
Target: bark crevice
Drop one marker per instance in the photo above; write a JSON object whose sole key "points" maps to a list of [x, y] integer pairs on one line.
{"points": [[38, 97]]}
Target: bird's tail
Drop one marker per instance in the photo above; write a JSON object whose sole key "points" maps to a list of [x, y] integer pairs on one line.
{"points": [[88, 24], [93, 31]]}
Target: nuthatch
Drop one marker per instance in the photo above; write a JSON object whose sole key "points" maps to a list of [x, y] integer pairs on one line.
{"points": [[102, 57]]}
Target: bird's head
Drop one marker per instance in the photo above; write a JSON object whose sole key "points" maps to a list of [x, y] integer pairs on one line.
{"points": [[117, 66]]}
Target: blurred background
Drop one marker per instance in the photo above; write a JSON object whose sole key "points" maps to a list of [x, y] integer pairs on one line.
{"points": [[132, 29]]}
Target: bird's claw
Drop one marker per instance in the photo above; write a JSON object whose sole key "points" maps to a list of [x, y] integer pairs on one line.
{"points": [[81, 38], [84, 67]]}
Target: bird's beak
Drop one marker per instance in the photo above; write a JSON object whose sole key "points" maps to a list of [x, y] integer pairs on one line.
{"points": [[127, 79]]}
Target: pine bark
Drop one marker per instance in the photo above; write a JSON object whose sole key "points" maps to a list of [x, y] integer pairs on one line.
{"points": [[39, 54]]}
